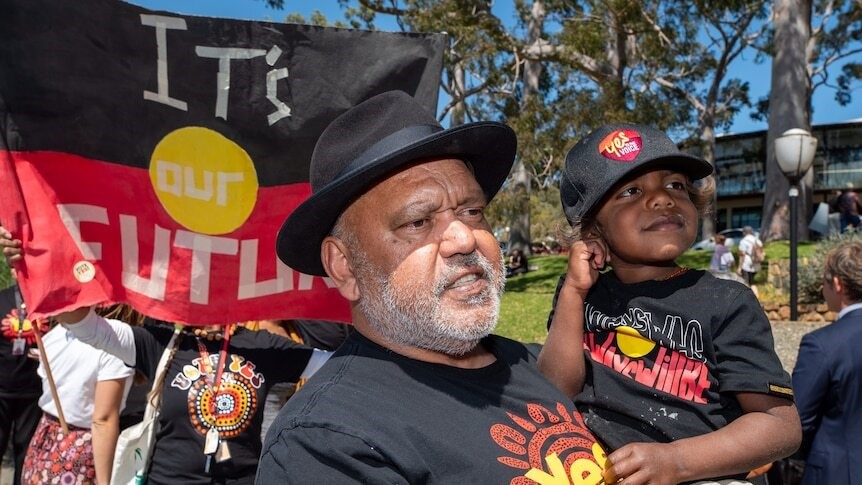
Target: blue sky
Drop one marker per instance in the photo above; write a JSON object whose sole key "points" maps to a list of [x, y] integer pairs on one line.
{"points": [[826, 110]]}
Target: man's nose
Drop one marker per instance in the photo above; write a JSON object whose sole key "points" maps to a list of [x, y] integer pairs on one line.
{"points": [[457, 238]]}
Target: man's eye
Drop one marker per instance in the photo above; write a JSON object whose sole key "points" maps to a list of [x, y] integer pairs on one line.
{"points": [[474, 212], [417, 224]]}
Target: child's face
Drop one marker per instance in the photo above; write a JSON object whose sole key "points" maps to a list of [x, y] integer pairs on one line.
{"points": [[648, 219]]}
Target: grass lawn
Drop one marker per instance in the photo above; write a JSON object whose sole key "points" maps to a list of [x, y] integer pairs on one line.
{"points": [[527, 300]]}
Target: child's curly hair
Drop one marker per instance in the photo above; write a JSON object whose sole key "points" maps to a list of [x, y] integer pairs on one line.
{"points": [[700, 192]]}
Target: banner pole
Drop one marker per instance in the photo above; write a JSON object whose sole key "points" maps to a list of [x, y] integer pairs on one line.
{"points": [[22, 316]]}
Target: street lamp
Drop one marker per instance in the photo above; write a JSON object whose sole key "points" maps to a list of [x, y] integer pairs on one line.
{"points": [[794, 152]]}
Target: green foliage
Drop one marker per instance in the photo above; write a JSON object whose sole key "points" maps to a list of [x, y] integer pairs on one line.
{"points": [[811, 265], [5, 276]]}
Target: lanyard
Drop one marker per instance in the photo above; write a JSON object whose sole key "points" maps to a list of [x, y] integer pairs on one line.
{"points": [[205, 356]]}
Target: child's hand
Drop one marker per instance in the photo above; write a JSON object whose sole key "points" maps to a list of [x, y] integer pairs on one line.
{"points": [[643, 463], [586, 259]]}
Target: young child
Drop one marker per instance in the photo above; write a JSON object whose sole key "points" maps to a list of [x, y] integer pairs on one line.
{"points": [[673, 369]]}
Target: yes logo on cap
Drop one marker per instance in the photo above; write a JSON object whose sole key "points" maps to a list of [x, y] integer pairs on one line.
{"points": [[621, 145]]}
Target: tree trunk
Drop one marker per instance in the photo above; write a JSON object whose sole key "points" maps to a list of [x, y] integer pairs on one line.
{"points": [[710, 222], [519, 235], [456, 87], [789, 107]]}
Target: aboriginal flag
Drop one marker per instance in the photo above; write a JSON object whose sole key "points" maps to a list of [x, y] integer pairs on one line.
{"points": [[149, 157]]}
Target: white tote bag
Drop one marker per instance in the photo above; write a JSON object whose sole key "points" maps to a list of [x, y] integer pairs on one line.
{"points": [[135, 443]]}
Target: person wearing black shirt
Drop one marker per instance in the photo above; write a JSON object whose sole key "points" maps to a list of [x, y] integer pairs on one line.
{"points": [[673, 369], [420, 392], [20, 385], [199, 394]]}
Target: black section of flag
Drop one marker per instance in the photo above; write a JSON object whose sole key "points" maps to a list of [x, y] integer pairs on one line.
{"points": [[73, 76]]}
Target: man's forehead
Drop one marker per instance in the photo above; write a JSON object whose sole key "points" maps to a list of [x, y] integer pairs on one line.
{"points": [[412, 185]]}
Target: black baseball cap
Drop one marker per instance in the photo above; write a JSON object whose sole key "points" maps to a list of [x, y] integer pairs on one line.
{"points": [[603, 158]]}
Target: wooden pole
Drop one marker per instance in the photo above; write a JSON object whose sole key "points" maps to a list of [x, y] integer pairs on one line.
{"points": [[22, 316]]}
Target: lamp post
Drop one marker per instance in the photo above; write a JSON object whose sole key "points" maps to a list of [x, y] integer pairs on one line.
{"points": [[794, 152]]}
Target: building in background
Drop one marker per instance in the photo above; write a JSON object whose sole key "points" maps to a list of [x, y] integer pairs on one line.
{"points": [[740, 162]]}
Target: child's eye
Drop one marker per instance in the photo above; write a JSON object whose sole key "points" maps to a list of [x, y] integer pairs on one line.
{"points": [[629, 192], [676, 185]]}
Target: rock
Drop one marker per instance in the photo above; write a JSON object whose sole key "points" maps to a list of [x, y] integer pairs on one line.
{"points": [[813, 317], [784, 313]]}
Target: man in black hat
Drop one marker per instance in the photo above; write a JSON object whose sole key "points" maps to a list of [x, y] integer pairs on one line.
{"points": [[421, 392]]}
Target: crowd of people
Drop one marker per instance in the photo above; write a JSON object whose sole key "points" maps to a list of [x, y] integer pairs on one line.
{"points": [[651, 372]]}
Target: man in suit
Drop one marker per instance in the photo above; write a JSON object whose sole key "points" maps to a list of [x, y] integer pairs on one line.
{"points": [[827, 380]]}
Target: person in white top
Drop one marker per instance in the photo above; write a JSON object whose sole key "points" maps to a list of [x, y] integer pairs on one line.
{"points": [[747, 266], [91, 386]]}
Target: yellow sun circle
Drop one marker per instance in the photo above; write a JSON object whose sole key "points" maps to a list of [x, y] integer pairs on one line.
{"points": [[632, 343], [206, 182]]}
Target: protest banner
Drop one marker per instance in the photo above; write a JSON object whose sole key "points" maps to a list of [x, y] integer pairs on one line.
{"points": [[150, 157]]}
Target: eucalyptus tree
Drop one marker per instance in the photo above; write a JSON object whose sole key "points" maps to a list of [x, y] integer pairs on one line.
{"points": [[811, 37]]}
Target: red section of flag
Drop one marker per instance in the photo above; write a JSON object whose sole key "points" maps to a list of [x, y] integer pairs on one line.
{"points": [[107, 214]]}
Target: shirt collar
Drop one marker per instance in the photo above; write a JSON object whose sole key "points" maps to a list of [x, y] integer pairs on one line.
{"points": [[849, 308]]}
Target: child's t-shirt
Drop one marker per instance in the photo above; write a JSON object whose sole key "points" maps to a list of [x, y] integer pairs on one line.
{"points": [[664, 358]]}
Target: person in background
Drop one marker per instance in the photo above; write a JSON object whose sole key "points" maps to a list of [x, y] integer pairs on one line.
{"points": [[827, 379], [216, 383], [620, 341], [91, 386], [748, 267], [722, 259], [849, 208], [318, 334], [517, 263], [20, 385]]}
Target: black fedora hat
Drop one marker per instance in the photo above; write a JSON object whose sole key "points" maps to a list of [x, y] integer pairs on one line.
{"points": [[370, 141]]}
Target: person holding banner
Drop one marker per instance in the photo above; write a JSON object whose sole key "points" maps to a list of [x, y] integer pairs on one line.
{"points": [[76, 437], [92, 387], [420, 392], [198, 389]]}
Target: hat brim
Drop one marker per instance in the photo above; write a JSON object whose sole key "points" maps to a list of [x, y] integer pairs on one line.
{"points": [[695, 168], [489, 147]]}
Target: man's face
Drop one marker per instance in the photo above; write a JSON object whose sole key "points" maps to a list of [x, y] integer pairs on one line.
{"points": [[428, 269], [649, 218]]}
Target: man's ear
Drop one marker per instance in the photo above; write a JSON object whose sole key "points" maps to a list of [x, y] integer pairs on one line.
{"points": [[837, 285], [336, 259]]}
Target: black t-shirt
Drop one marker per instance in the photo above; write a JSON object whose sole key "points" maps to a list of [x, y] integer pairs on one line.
{"points": [[256, 361], [664, 358], [322, 334], [18, 377], [373, 416]]}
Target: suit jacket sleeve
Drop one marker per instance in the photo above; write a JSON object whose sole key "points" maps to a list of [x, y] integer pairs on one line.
{"points": [[811, 378]]}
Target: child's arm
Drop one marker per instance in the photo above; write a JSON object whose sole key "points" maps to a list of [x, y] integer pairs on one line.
{"points": [[769, 430], [562, 357]]}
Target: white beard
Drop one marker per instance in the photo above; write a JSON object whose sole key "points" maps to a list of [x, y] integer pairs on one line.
{"points": [[416, 315]]}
